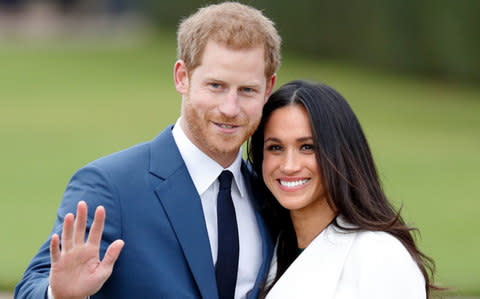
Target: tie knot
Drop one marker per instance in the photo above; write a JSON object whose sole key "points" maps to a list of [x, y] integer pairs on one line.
{"points": [[225, 179]]}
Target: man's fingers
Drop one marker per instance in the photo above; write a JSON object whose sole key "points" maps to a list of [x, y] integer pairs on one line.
{"points": [[111, 255], [96, 230], [80, 223], [54, 248], [67, 232]]}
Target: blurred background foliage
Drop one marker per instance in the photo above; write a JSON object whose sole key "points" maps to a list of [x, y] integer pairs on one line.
{"points": [[435, 38], [438, 38]]}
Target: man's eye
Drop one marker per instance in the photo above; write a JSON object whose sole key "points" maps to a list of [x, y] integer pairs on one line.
{"points": [[215, 85], [247, 89]]}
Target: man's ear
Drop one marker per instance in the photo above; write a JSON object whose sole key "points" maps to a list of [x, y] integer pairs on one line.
{"points": [[180, 76], [270, 85]]}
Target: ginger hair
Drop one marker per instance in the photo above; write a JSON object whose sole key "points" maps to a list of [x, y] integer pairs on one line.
{"points": [[235, 25]]}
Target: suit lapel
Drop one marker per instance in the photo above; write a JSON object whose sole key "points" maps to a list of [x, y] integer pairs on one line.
{"points": [[316, 272], [183, 207], [267, 243]]}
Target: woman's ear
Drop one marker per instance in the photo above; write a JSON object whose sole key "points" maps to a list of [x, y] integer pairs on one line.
{"points": [[180, 76]]}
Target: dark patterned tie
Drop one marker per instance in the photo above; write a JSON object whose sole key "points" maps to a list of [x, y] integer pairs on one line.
{"points": [[227, 259]]}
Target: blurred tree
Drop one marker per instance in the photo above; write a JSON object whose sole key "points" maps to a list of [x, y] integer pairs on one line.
{"points": [[438, 38], [66, 6], [11, 5]]}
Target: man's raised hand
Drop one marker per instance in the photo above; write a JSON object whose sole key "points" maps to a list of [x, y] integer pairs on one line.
{"points": [[76, 270]]}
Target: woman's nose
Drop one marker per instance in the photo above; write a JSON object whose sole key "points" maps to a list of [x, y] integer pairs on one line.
{"points": [[291, 162]]}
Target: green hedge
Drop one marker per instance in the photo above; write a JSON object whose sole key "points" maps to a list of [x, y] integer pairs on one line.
{"points": [[440, 38]]}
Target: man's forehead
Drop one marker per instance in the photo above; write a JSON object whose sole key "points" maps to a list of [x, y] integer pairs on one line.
{"points": [[217, 55]]}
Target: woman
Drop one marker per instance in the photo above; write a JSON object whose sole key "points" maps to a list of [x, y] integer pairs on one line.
{"points": [[337, 235]]}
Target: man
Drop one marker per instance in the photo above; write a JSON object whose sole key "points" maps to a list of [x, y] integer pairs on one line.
{"points": [[160, 197]]}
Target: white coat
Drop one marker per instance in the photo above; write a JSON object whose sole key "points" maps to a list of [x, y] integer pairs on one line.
{"points": [[350, 265]]}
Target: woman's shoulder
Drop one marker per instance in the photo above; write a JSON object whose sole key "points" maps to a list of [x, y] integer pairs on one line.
{"points": [[372, 244], [381, 253], [379, 263], [379, 242], [379, 247]]}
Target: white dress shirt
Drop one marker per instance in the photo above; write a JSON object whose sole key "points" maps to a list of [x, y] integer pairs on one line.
{"points": [[204, 172]]}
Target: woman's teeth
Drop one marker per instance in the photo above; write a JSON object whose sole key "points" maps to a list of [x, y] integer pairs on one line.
{"points": [[291, 184]]}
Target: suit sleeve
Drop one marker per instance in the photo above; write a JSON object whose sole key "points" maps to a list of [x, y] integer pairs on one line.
{"points": [[383, 268], [94, 186]]}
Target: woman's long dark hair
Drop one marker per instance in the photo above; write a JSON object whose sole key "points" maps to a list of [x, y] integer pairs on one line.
{"points": [[348, 175]]}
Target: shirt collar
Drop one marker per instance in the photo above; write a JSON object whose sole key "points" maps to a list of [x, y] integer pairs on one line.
{"points": [[203, 170]]}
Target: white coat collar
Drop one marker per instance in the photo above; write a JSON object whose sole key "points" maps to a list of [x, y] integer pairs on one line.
{"points": [[316, 271]]}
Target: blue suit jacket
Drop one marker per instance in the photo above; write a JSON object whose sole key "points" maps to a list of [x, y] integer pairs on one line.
{"points": [[151, 204]]}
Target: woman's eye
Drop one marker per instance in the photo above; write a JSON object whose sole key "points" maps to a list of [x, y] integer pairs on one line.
{"points": [[307, 147], [273, 147]]}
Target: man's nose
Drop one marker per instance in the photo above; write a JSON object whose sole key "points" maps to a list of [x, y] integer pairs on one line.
{"points": [[230, 107]]}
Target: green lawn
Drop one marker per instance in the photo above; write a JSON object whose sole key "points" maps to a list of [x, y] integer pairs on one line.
{"points": [[64, 105]]}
